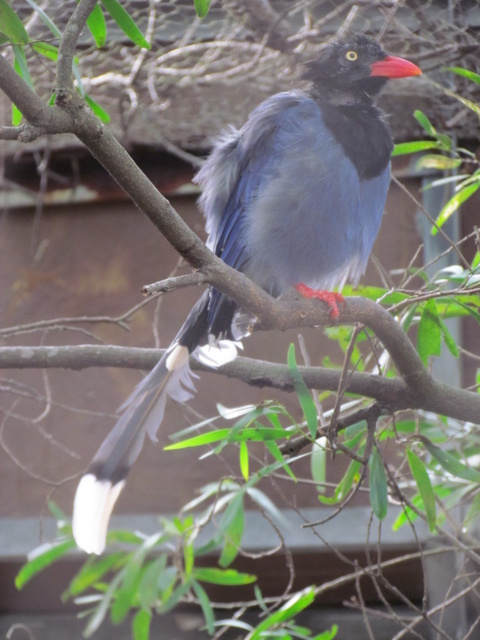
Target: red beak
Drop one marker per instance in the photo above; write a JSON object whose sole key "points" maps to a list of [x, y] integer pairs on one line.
{"points": [[392, 67]]}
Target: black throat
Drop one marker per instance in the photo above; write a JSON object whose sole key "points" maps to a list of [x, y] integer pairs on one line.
{"points": [[362, 132]]}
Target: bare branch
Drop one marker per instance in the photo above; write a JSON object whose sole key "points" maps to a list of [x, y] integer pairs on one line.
{"points": [[175, 282], [68, 45]]}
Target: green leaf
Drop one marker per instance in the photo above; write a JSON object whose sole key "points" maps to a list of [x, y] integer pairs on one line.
{"points": [[274, 449], [97, 109], [47, 21], [244, 460], [101, 610], [450, 463], [375, 293], [429, 337], [425, 123], [141, 625], [438, 162], [403, 148], [424, 485], [232, 525], [97, 26], [206, 606], [289, 610], [227, 577], [466, 73], [40, 558], [454, 203], [473, 512], [304, 394], [126, 23], [255, 435], [92, 571], [175, 597], [448, 339], [202, 7], [327, 635], [188, 558], [148, 588], [21, 66], [130, 578], [351, 475], [378, 485], [11, 25], [46, 50]]}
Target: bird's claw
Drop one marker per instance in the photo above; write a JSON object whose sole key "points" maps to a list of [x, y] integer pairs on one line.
{"points": [[332, 298]]}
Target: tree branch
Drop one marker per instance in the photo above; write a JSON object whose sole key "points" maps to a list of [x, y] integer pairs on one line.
{"points": [[393, 394]]}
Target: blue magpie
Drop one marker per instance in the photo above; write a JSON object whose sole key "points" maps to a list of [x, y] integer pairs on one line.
{"points": [[294, 199]]}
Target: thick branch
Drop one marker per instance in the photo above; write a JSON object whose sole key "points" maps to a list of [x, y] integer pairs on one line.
{"points": [[391, 393]]}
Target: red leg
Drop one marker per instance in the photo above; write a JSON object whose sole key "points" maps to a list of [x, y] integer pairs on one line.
{"points": [[331, 298]]}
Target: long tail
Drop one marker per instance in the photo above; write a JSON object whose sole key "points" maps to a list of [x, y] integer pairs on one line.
{"points": [[143, 412]]}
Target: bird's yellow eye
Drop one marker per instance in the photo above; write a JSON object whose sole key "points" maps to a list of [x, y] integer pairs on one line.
{"points": [[351, 55]]}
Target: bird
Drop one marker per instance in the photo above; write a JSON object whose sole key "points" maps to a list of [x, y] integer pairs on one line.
{"points": [[294, 200]]}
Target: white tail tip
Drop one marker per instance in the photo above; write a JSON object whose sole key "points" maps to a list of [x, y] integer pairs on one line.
{"points": [[92, 508]]}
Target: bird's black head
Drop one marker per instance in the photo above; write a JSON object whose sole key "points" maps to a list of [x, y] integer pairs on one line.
{"points": [[357, 66]]}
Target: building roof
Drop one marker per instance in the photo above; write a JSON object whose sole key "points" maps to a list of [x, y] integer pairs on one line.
{"points": [[201, 75]]}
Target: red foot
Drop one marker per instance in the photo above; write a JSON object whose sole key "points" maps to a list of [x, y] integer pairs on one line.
{"points": [[331, 298]]}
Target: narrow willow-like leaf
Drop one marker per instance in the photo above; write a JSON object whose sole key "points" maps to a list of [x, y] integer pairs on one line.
{"points": [[473, 512], [93, 571], [148, 588], [130, 577], [438, 162], [227, 577], [46, 20], [466, 73], [42, 557], [289, 610], [97, 26], [429, 336], [378, 485], [48, 51], [11, 25], [141, 625], [206, 606], [425, 123], [330, 634], [125, 22], [96, 108], [448, 339], [188, 558], [101, 610], [21, 66], [255, 435], [424, 485], [243, 460], [454, 203], [232, 525], [375, 293], [303, 392], [274, 449], [403, 148], [202, 7], [450, 463]]}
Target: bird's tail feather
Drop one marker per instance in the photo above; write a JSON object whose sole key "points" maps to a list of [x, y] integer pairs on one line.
{"points": [[142, 413]]}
